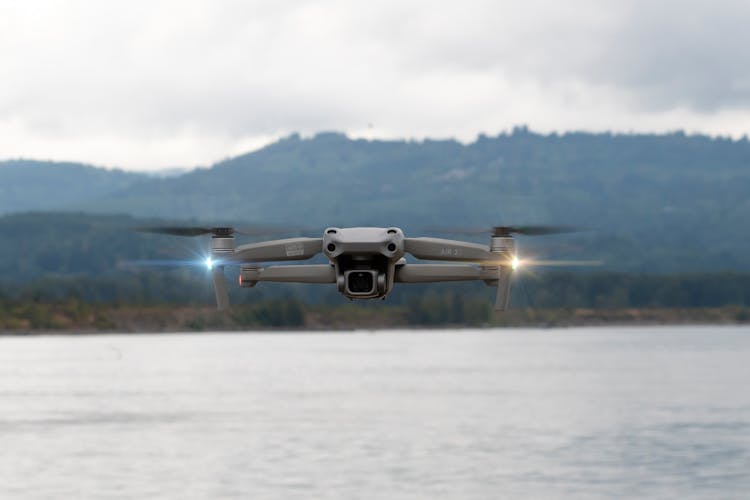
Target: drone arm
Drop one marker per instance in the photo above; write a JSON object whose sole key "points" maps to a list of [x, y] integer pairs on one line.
{"points": [[447, 250], [313, 273], [279, 250], [430, 273], [498, 276]]}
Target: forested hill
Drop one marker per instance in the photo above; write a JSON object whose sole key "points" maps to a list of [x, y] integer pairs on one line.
{"points": [[42, 185], [644, 181], [669, 202]]}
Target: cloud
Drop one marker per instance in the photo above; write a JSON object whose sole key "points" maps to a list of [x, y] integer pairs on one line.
{"points": [[165, 83], [663, 55], [676, 54]]}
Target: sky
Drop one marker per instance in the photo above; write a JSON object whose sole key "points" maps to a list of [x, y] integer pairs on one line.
{"points": [[147, 85]]}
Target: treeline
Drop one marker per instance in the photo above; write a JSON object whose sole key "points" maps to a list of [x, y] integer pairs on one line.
{"points": [[439, 301], [81, 316], [614, 290], [290, 314]]}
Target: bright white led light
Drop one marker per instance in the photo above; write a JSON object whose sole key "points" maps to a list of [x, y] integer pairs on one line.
{"points": [[515, 262], [209, 263]]}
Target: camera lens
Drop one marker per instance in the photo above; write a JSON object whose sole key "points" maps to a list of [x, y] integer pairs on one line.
{"points": [[391, 247], [360, 282], [331, 247]]}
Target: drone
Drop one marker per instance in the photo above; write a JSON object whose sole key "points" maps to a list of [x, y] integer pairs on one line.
{"points": [[364, 263]]}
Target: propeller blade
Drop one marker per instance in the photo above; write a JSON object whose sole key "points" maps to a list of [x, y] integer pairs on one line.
{"points": [[533, 230], [161, 263], [175, 230], [224, 231], [562, 263]]}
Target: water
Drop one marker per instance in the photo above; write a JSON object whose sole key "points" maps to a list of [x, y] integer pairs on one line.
{"points": [[575, 413]]}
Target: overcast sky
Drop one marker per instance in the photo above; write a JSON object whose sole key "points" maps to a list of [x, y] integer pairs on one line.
{"points": [[157, 84]]}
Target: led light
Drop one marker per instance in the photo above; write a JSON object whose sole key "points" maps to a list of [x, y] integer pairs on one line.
{"points": [[515, 262], [209, 263]]}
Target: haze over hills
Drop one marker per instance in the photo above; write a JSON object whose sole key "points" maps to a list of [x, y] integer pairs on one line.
{"points": [[43, 185], [654, 202]]}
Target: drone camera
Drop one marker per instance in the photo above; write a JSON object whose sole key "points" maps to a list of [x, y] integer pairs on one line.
{"points": [[361, 282]]}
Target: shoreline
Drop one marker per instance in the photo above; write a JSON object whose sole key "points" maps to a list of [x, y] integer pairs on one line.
{"points": [[87, 319], [354, 330]]}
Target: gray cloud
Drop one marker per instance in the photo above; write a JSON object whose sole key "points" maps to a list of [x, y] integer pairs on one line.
{"points": [[681, 54], [662, 54], [172, 82]]}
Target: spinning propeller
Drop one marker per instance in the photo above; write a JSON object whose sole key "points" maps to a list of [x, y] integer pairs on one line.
{"points": [[223, 248], [219, 232]]}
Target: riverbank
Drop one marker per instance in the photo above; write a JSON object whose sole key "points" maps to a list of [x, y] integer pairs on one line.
{"points": [[80, 317]]}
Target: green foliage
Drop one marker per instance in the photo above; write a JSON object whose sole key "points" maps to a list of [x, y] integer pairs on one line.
{"points": [[29, 315], [616, 290], [274, 304], [273, 313], [448, 308]]}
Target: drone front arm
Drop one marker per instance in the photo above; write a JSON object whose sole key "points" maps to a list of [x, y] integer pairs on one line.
{"points": [[311, 273], [447, 250], [279, 250], [431, 273], [499, 276]]}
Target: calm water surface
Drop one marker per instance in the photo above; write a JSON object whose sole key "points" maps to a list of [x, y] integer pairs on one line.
{"points": [[575, 413]]}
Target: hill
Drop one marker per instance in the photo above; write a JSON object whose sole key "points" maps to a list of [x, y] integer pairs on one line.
{"points": [[523, 176], [654, 203], [43, 185]]}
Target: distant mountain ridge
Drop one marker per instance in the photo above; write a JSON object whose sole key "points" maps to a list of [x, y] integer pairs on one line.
{"points": [[45, 185], [670, 201]]}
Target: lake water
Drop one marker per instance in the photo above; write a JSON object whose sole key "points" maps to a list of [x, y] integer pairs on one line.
{"points": [[571, 413]]}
